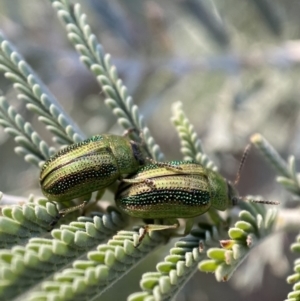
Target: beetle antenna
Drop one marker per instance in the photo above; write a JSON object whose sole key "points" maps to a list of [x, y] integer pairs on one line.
{"points": [[65, 211], [236, 200], [243, 160]]}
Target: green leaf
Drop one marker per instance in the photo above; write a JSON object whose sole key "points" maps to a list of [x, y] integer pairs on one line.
{"points": [[208, 266]]}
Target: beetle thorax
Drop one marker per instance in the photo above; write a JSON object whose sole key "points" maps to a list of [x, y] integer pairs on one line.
{"points": [[128, 155], [219, 191]]}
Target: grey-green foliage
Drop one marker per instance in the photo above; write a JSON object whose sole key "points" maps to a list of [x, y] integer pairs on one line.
{"points": [[289, 179], [93, 56], [254, 225], [191, 146], [19, 223], [31, 146], [177, 267], [295, 278], [38, 98], [287, 174], [89, 278], [24, 266]]}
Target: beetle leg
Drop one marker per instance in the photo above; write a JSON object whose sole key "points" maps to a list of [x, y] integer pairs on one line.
{"points": [[56, 218], [148, 228], [166, 165], [54, 222], [154, 227], [65, 211], [100, 194], [90, 204], [137, 181], [188, 227], [189, 222]]}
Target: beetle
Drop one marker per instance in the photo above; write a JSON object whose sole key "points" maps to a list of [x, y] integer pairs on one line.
{"points": [[159, 191], [90, 165]]}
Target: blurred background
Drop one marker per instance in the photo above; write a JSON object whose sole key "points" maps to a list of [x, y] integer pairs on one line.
{"points": [[233, 64]]}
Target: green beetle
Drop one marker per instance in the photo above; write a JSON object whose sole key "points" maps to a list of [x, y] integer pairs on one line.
{"points": [[157, 191], [160, 191], [90, 165]]}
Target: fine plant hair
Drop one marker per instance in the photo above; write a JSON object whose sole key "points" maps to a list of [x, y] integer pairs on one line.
{"points": [[86, 255]]}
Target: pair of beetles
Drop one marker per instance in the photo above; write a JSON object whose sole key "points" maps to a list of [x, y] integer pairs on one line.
{"points": [[176, 189]]}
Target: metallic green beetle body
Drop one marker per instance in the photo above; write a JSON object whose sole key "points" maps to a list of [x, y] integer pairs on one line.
{"points": [[161, 192], [88, 166]]}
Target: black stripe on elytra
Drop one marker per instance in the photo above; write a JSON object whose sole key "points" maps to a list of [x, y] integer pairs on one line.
{"points": [[65, 183], [91, 153], [70, 148], [163, 196]]}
